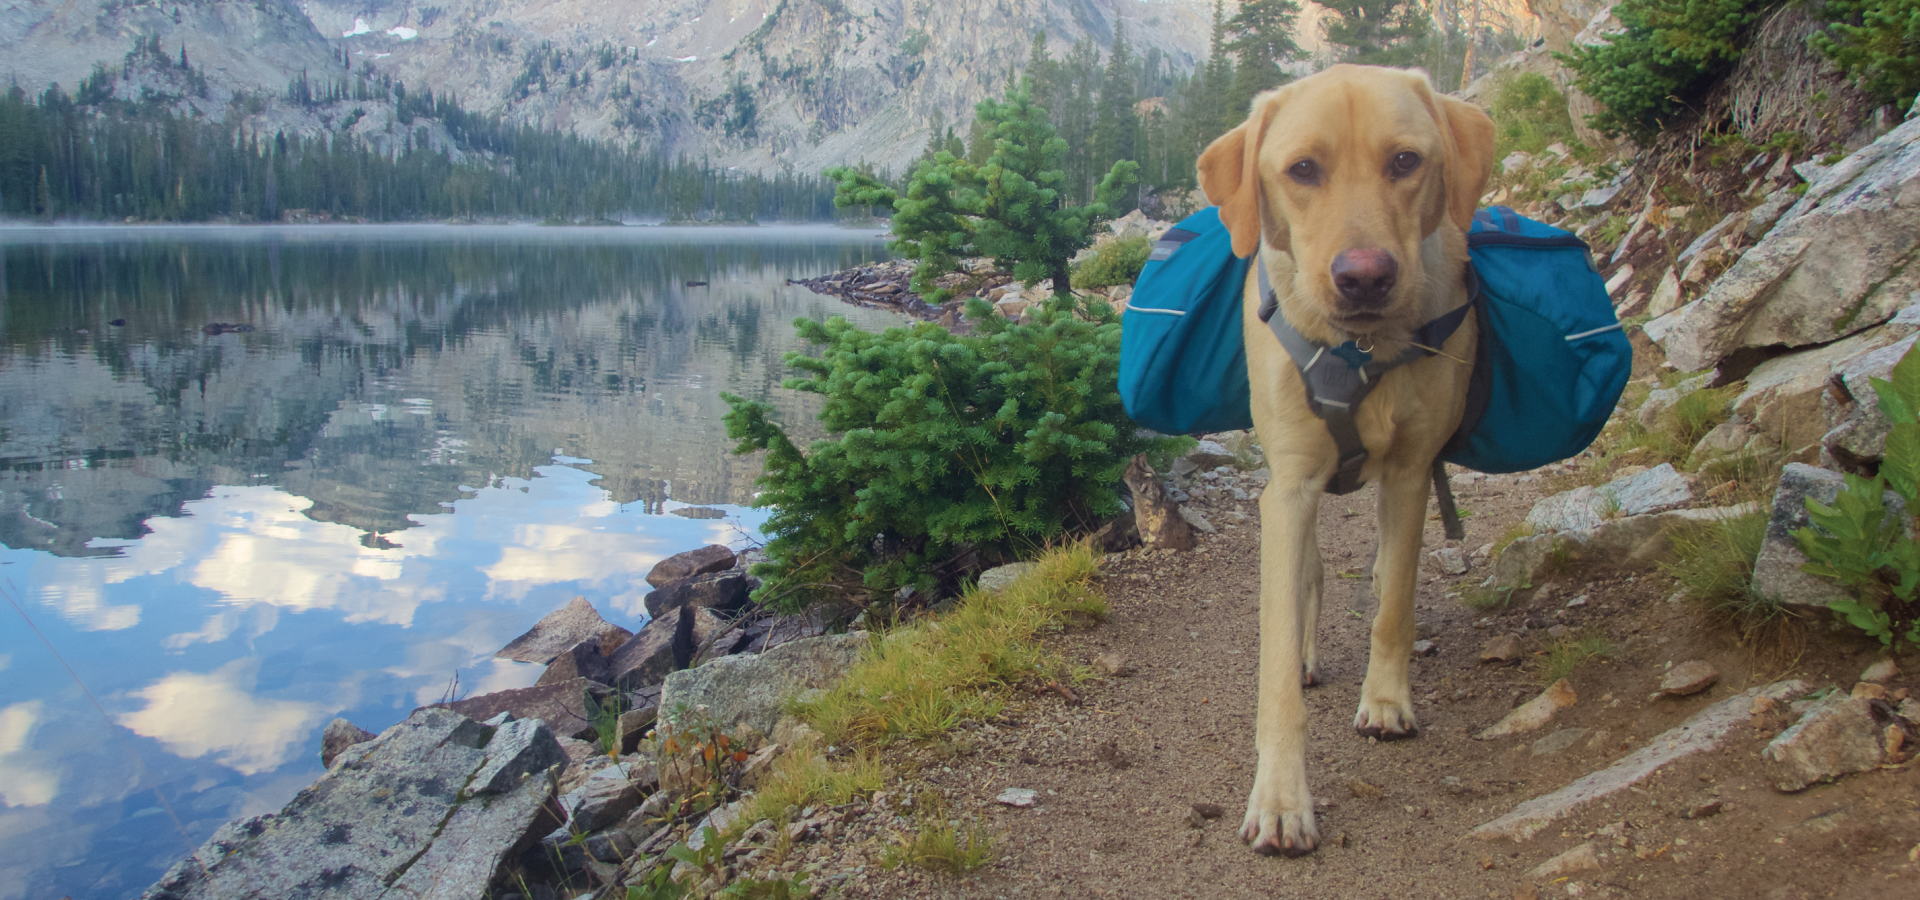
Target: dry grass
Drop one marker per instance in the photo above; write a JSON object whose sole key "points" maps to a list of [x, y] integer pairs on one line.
{"points": [[920, 680]]}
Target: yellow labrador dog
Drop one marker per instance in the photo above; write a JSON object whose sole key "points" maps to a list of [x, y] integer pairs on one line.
{"points": [[1356, 186]]}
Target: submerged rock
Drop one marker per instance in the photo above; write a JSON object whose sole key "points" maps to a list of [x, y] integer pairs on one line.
{"points": [[396, 816]]}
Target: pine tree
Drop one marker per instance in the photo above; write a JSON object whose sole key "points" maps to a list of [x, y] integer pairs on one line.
{"points": [[1014, 208], [1116, 127], [1378, 32], [1261, 37]]}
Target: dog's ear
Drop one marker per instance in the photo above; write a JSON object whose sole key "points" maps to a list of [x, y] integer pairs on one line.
{"points": [[1229, 176], [1470, 163]]}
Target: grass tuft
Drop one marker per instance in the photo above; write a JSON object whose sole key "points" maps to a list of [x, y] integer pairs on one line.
{"points": [[803, 777], [1567, 654], [920, 680]]}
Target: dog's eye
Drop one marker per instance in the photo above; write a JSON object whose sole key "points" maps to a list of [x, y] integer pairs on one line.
{"points": [[1305, 171], [1405, 162]]}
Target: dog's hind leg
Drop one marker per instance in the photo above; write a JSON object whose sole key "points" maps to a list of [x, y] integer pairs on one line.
{"points": [[1312, 593], [1386, 699], [1280, 810]]}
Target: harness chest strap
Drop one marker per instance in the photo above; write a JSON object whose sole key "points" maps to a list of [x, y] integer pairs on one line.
{"points": [[1339, 378]]}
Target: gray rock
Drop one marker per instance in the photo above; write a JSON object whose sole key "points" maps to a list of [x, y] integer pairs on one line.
{"points": [[1836, 736], [606, 798], [1881, 671], [1702, 732], [752, 688], [773, 631], [1666, 294], [638, 718], [561, 705], [1450, 560], [1154, 515], [563, 628], [1688, 678], [723, 592], [1582, 858], [1837, 262], [1859, 428], [664, 645], [1776, 570], [340, 735], [1654, 410], [999, 577], [1018, 798], [1783, 397], [1707, 237], [711, 558], [389, 819], [1761, 218], [1654, 490], [582, 660], [1633, 543], [516, 749], [1558, 741], [1210, 454], [1113, 665], [1425, 648], [1195, 519]]}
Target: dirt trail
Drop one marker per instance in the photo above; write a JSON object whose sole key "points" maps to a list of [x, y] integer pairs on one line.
{"points": [[1119, 774]]}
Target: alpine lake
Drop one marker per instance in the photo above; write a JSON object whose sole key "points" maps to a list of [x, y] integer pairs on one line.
{"points": [[254, 478]]}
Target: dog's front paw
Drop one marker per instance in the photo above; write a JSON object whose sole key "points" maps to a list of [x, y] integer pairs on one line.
{"points": [[1280, 832], [1388, 720]]}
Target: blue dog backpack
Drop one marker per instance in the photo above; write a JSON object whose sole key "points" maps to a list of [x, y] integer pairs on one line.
{"points": [[1551, 362]]}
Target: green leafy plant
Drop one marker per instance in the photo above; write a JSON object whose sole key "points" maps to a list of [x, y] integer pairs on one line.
{"points": [[606, 720], [1667, 52], [1115, 262], [1877, 42], [987, 444], [1855, 543], [1530, 115]]}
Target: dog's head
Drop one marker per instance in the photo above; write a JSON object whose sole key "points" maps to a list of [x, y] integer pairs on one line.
{"points": [[1349, 171]]}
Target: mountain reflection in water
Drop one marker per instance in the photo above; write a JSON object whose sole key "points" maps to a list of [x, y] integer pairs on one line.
{"points": [[430, 438]]}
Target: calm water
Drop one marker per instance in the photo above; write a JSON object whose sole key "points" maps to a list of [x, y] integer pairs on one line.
{"points": [[429, 439]]}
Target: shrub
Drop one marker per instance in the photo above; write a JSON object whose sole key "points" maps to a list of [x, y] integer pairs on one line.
{"points": [[1529, 116], [1877, 43], [987, 444], [1668, 51], [1115, 262], [1853, 542]]}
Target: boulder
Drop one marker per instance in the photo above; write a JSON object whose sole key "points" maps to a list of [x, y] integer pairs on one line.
{"points": [[711, 558], [1835, 263], [1629, 544], [722, 592], [1155, 515], [775, 630], [751, 688], [561, 705], [340, 735], [561, 629], [998, 577], [391, 818], [582, 660], [1836, 736], [1859, 429], [1654, 490], [605, 799], [1776, 570], [665, 644], [1450, 560], [1783, 397]]}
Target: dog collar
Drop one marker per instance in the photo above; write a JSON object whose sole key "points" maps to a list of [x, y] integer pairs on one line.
{"points": [[1338, 378]]}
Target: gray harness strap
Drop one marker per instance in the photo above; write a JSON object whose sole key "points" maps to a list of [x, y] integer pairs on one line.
{"points": [[1339, 378]]}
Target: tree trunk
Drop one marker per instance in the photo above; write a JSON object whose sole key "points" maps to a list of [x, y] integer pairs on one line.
{"points": [[1062, 279]]}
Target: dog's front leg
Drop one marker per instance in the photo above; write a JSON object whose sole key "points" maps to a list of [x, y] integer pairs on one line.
{"points": [[1280, 809], [1386, 699]]}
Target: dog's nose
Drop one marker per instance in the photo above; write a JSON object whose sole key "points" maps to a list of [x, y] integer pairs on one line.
{"points": [[1364, 275]]}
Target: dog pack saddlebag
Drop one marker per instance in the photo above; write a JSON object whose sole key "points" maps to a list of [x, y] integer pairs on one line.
{"points": [[1183, 366], [1552, 357]]}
